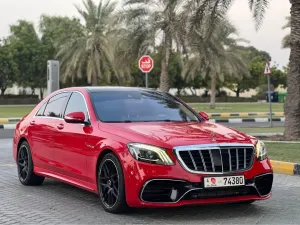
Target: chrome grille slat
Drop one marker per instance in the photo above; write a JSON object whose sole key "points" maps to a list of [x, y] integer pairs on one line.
{"points": [[221, 160], [203, 162], [212, 161], [230, 167], [216, 159], [193, 161], [245, 158], [237, 159]]}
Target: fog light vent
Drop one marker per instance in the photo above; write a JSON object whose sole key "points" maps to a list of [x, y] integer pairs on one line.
{"points": [[163, 190]]}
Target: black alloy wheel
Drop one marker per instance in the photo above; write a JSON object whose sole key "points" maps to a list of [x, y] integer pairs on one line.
{"points": [[111, 184], [25, 166]]}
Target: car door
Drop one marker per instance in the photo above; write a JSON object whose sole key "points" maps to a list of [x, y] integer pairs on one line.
{"points": [[42, 129], [71, 139]]}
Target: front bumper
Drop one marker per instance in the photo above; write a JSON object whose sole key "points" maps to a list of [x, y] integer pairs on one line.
{"points": [[150, 185], [174, 191]]}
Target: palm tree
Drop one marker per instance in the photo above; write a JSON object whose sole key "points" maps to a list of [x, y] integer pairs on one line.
{"points": [[215, 56], [161, 19], [91, 51], [286, 39], [212, 9]]}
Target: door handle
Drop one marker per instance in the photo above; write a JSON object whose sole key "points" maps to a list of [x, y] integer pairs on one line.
{"points": [[32, 122], [60, 126]]}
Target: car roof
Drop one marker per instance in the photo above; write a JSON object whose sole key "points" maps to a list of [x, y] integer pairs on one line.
{"points": [[114, 88], [108, 88]]}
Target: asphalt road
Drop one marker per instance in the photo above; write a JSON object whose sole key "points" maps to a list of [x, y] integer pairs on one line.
{"points": [[8, 133], [58, 203], [4, 134]]}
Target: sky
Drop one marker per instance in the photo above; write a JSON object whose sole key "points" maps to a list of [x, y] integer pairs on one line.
{"points": [[268, 38]]}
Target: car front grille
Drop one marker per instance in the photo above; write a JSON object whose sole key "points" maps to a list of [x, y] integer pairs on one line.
{"points": [[216, 159]]}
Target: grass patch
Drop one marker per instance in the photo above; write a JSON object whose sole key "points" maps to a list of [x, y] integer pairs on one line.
{"points": [[17, 111], [238, 108], [261, 129], [284, 152]]}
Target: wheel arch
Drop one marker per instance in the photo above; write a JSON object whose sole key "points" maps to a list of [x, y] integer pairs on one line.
{"points": [[22, 139], [101, 156]]}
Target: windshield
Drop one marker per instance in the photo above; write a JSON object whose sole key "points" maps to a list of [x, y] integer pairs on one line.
{"points": [[139, 106]]}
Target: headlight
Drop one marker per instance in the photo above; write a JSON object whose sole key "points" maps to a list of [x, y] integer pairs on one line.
{"points": [[261, 151], [149, 154]]}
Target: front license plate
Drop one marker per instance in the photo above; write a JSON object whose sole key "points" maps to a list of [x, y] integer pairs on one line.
{"points": [[228, 181]]}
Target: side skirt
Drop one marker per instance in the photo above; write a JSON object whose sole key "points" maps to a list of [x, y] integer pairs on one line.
{"points": [[72, 181]]}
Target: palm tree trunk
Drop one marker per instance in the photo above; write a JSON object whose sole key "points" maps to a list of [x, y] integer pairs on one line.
{"points": [[2, 90], [94, 79], [41, 93], [292, 105], [213, 91], [164, 76]]}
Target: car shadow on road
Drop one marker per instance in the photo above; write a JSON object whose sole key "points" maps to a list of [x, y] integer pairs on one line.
{"points": [[174, 214]]}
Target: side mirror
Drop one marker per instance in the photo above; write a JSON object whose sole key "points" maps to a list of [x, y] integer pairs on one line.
{"points": [[75, 117], [204, 115]]}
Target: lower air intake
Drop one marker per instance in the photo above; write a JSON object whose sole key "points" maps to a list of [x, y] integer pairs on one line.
{"points": [[163, 191], [264, 184], [220, 193]]}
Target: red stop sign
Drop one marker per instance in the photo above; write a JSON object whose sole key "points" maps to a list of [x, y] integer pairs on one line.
{"points": [[146, 64]]}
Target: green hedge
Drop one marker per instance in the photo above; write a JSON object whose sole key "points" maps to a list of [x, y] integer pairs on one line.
{"points": [[19, 99]]}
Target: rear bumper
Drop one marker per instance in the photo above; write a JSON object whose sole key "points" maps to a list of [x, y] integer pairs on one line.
{"points": [[170, 186]]}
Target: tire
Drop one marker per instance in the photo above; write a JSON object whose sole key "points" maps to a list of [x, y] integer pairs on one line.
{"points": [[111, 185], [25, 167]]}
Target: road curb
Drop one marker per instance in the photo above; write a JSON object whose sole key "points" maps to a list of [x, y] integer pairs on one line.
{"points": [[245, 114], [265, 134], [9, 120], [285, 167], [250, 120], [7, 126]]}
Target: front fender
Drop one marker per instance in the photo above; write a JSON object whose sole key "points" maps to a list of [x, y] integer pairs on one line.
{"points": [[118, 147]]}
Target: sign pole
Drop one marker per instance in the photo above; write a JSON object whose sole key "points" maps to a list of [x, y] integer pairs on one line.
{"points": [[270, 102], [268, 74], [146, 80]]}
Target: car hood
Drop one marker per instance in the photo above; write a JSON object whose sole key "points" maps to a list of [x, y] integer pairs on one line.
{"points": [[181, 133]]}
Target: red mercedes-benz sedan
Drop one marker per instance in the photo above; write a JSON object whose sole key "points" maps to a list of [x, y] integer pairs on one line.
{"points": [[137, 147]]}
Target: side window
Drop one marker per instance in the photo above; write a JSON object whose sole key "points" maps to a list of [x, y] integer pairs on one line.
{"points": [[41, 110], [55, 105], [76, 104]]}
